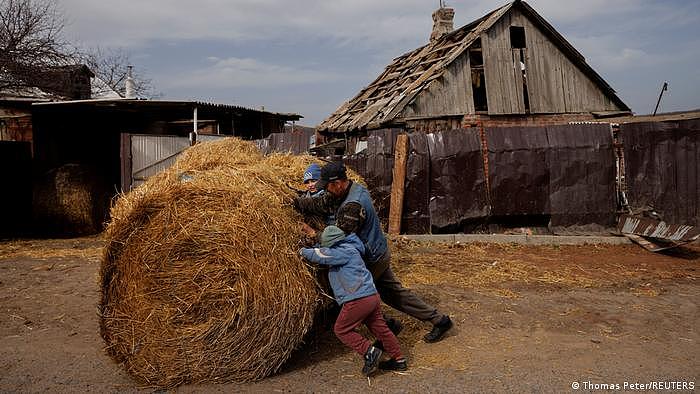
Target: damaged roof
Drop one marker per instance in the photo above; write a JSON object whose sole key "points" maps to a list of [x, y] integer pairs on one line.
{"points": [[378, 104]]}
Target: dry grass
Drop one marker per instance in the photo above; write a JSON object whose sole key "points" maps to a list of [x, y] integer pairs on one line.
{"points": [[50, 249], [201, 280], [487, 268]]}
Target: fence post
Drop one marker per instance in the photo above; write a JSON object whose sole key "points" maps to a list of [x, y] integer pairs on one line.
{"points": [[397, 184]]}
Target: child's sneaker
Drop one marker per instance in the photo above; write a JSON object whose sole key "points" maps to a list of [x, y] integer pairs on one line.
{"points": [[372, 357], [393, 365]]}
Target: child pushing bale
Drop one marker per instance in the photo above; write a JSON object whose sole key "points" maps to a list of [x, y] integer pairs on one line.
{"points": [[201, 280]]}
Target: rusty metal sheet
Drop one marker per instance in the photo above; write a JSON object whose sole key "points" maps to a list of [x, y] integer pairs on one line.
{"points": [[518, 173], [458, 190], [376, 165], [651, 244], [416, 213], [380, 167], [662, 168], [648, 227], [581, 164]]}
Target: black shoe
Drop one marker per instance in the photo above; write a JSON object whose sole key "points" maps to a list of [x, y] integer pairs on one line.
{"points": [[372, 357], [393, 365], [395, 327], [439, 329]]}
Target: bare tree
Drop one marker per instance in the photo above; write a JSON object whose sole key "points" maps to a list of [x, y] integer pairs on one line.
{"points": [[31, 42], [33, 52], [111, 66]]}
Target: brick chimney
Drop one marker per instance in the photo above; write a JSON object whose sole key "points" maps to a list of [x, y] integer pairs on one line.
{"points": [[442, 22]]}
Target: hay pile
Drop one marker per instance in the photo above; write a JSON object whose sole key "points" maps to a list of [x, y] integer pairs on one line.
{"points": [[201, 280], [68, 201]]}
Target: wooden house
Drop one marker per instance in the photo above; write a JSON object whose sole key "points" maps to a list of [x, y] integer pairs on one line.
{"points": [[72, 82], [508, 68]]}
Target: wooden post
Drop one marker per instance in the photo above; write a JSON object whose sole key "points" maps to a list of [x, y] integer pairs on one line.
{"points": [[397, 184], [125, 156]]}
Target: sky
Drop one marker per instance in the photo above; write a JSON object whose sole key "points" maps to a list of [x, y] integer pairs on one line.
{"points": [[310, 56]]}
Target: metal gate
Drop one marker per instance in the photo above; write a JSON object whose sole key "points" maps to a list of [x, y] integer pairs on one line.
{"points": [[146, 155]]}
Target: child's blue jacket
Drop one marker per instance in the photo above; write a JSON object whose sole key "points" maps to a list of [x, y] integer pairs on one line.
{"points": [[348, 275]]}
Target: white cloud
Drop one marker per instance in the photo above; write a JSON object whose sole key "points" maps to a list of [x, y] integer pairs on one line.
{"points": [[236, 72]]}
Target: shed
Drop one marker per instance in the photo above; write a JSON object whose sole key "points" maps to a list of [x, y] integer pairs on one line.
{"points": [[83, 153]]}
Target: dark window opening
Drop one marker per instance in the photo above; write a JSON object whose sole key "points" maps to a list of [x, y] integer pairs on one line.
{"points": [[479, 90], [517, 37], [476, 59], [476, 63], [521, 62]]}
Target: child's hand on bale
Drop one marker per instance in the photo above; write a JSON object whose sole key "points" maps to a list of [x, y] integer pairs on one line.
{"points": [[306, 229]]}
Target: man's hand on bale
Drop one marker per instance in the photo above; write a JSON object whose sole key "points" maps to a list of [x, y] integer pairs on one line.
{"points": [[296, 202]]}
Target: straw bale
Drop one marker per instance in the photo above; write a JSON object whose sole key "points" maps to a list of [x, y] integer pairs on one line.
{"points": [[201, 280], [65, 201]]}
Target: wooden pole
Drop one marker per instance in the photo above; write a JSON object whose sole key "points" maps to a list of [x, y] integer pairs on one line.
{"points": [[397, 184]]}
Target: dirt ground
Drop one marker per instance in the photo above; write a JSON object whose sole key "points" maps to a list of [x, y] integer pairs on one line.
{"points": [[528, 319]]}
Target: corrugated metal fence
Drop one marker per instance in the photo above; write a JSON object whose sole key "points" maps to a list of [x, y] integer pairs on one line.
{"points": [[662, 167], [295, 142], [461, 180], [375, 164]]}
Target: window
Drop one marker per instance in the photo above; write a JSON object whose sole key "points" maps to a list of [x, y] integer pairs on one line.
{"points": [[476, 63], [476, 59], [517, 37], [517, 42]]}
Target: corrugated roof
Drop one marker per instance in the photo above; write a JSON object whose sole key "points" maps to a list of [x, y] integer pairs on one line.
{"points": [[28, 93], [379, 103], [135, 103]]}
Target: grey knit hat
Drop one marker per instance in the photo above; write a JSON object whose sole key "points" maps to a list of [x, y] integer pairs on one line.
{"points": [[331, 235]]}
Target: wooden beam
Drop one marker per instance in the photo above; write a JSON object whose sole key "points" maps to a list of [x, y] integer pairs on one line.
{"points": [[125, 157], [397, 184]]}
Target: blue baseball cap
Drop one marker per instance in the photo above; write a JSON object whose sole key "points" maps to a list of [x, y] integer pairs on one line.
{"points": [[312, 173]]}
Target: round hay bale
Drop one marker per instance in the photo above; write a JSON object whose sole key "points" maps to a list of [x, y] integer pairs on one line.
{"points": [[70, 201], [201, 280]]}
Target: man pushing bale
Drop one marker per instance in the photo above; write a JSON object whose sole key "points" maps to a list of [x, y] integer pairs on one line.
{"points": [[201, 278]]}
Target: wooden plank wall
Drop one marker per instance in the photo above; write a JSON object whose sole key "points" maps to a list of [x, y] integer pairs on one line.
{"points": [[543, 68], [555, 84], [449, 95], [504, 86]]}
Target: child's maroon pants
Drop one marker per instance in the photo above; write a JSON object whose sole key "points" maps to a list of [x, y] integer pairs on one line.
{"points": [[365, 310]]}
